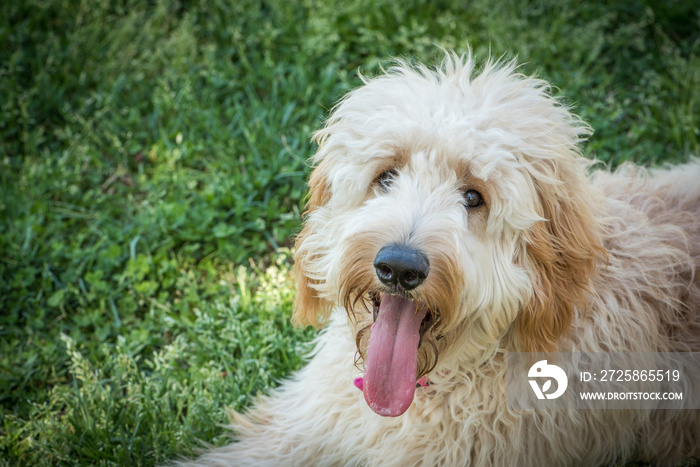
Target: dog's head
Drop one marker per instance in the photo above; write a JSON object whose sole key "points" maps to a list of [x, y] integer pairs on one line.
{"points": [[450, 215]]}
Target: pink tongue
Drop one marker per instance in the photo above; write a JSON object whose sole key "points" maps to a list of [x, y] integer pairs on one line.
{"points": [[390, 370]]}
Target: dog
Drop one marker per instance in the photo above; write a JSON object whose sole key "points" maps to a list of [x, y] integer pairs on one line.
{"points": [[451, 221]]}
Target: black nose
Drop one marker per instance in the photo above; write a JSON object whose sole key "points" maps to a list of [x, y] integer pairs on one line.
{"points": [[401, 266]]}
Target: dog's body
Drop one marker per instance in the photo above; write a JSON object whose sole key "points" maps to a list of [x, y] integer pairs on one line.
{"points": [[462, 202]]}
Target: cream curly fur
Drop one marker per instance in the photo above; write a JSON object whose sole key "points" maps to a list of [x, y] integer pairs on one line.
{"points": [[555, 260]]}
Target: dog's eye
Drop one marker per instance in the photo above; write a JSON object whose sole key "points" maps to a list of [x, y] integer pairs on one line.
{"points": [[386, 178], [473, 199]]}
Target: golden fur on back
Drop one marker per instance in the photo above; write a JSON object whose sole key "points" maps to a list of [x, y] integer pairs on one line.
{"points": [[555, 259]]}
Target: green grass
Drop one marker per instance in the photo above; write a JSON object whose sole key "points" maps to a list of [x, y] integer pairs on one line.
{"points": [[152, 173]]}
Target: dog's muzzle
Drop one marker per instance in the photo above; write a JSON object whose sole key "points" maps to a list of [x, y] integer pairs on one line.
{"points": [[400, 321]]}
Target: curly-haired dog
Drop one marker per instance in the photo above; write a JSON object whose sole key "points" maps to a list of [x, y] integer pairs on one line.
{"points": [[452, 220]]}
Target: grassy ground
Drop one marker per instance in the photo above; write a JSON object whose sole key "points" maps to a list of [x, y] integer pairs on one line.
{"points": [[152, 170]]}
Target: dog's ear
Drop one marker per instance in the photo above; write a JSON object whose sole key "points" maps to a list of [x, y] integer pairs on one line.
{"points": [[309, 308], [563, 251]]}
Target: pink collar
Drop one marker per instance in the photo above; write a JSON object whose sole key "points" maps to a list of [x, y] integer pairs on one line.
{"points": [[423, 381]]}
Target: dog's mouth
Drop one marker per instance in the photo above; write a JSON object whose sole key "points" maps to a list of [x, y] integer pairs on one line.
{"points": [[391, 363], [425, 325]]}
